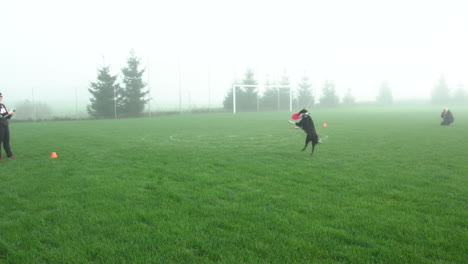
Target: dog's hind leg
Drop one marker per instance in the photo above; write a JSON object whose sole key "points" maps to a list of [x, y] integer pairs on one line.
{"points": [[306, 143], [313, 148], [315, 141]]}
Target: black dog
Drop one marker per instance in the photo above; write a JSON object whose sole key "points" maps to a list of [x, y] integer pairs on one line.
{"points": [[307, 124]]}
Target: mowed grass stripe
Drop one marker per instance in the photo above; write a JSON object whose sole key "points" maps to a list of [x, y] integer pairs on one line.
{"points": [[386, 186]]}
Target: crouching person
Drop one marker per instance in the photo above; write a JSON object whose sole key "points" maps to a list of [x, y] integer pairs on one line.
{"points": [[447, 117]]}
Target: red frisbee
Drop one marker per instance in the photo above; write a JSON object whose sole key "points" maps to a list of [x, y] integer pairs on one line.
{"points": [[295, 116]]}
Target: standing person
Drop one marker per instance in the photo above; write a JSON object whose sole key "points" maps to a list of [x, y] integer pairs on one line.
{"points": [[447, 116], [5, 116]]}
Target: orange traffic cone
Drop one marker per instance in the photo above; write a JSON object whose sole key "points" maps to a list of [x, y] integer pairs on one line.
{"points": [[53, 155], [325, 125]]}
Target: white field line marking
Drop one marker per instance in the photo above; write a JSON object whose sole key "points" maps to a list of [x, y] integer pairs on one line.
{"points": [[172, 138], [204, 138]]}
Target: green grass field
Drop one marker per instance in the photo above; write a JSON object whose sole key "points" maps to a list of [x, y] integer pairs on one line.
{"points": [[386, 186]]}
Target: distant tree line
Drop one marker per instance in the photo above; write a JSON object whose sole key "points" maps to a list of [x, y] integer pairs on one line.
{"points": [[249, 98], [441, 93], [31, 111], [276, 95], [110, 99]]}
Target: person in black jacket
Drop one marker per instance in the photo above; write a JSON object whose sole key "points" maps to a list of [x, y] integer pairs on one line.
{"points": [[447, 117], [5, 116], [307, 124]]}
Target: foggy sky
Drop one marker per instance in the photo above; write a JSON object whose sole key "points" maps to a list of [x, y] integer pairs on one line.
{"points": [[53, 48]]}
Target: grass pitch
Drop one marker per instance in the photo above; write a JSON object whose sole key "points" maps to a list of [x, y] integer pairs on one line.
{"points": [[386, 186]]}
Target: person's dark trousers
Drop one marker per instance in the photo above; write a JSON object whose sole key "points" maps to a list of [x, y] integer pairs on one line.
{"points": [[445, 123], [5, 139]]}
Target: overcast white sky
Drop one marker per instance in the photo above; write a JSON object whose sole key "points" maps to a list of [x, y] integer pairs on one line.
{"points": [[54, 47]]}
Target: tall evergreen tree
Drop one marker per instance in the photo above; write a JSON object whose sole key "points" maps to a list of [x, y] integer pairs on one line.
{"points": [[134, 94], [348, 99], [329, 96], [269, 99], [460, 96], [284, 93], [248, 96], [304, 94], [227, 103], [385, 96], [103, 91], [441, 92]]}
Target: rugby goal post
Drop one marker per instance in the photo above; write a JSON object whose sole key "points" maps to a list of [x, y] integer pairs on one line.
{"points": [[260, 86]]}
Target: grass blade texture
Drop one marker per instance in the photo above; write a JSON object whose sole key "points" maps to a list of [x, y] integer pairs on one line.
{"points": [[387, 185]]}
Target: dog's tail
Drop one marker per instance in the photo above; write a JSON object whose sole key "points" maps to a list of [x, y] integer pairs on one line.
{"points": [[323, 138]]}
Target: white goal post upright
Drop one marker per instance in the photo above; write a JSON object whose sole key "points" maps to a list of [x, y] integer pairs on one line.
{"points": [[257, 86]]}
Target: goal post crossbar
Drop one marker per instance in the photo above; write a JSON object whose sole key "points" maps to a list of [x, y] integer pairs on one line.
{"points": [[234, 86]]}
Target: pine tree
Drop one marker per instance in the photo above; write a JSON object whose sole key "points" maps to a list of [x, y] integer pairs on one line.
{"points": [[348, 99], [304, 94], [284, 93], [460, 96], [134, 95], [247, 97], [329, 96], [269, 99], [441, 92], [103, 91], [227, 103], [385, 94]]}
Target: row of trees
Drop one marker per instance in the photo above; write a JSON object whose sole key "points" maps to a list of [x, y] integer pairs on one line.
{"points": [[111, 99], [275, 98], [442, 95]]}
